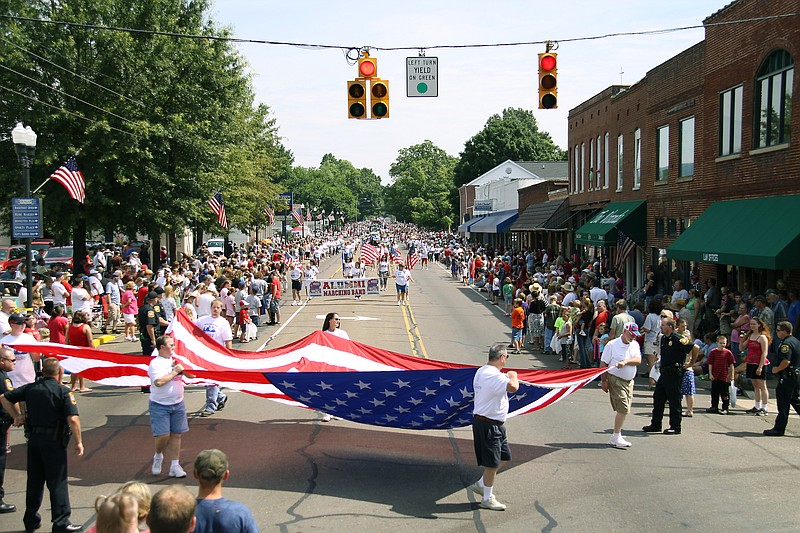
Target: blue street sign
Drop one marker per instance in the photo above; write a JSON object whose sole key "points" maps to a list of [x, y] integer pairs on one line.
{"points": [[288, 197], [26, 218]]}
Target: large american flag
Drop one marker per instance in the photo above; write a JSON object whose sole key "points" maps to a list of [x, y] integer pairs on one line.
{"points": [[349, 379], [298, 216], [72, 179], [395, 255], [218, 207], [625, 246], [412, 260], [369, 254]]}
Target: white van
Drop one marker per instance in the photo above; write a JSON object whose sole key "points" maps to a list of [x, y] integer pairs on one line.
{"points": [[216, 246]]}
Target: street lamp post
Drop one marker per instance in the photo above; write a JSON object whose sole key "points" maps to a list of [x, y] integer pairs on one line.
{"points": [[25, 144]]}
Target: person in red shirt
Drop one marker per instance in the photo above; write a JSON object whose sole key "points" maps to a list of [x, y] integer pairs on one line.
{"points": [[517, 325], [79, 333], [58, 325], [720, 368]]}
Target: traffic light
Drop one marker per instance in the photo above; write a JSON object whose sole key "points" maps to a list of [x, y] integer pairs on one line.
{"points": [[357, 99], [379, 101], [367, 66], [548, 81]]}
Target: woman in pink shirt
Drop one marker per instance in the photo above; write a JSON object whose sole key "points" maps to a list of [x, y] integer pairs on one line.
{"points": [[129, 308]]}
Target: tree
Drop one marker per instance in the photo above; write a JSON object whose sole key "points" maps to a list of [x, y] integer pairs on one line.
{"points": [[514, 135], [422, 186]]}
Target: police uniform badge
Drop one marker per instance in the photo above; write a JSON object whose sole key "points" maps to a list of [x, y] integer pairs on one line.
{"points": [[784, 348], [9, 386], [72, 399], [151, 314], [684, 340]]}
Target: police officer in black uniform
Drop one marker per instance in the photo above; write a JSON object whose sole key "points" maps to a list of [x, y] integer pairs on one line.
{"points": [[7, 360], [148, 324], [674, 348], [51, 420], [788, 388]]}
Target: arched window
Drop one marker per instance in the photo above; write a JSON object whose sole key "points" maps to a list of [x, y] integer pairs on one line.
{"points": [[773, 100]]}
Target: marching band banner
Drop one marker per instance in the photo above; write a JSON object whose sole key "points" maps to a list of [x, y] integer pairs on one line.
{"points": [[343, 287]]}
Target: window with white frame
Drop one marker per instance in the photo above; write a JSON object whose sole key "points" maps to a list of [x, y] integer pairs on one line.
{"points": [[637, 159], [606, 168], [590, 175], [773, 98], [583, 165], [597, 171], [619, 163], [730, 121], [662, 153], [686, 147]]}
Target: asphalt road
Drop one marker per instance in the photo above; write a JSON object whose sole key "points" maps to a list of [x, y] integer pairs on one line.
{"points": [[299, 474]]}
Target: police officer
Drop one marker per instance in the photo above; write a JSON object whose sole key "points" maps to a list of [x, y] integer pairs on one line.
{"points": [[788, 369], [160, 312], [7, 360], [674, 348], [52, 418], [149, 323]]}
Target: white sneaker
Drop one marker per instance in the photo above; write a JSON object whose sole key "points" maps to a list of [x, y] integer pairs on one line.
{"points": [[157, 461], [176, 471], [492, 504], [399, 302], [619, 442]]}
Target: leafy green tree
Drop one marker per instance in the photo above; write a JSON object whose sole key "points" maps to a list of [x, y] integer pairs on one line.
{"points": [[515, 135], [422, 186]]}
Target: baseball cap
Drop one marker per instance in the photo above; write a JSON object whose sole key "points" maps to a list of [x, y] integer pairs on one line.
{"points": [[211, 465], [152, 295], [16, 318], [115, 275], [632, 328]]}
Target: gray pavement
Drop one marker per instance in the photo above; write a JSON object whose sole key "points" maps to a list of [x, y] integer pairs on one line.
{"points": [[298, 474]]}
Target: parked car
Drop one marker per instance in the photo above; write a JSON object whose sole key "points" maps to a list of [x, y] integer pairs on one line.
{"points": [[59, 255], [10, 289], [216, 246]]}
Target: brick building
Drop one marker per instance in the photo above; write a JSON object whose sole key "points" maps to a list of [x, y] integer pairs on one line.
{"points": [[657, 161]]}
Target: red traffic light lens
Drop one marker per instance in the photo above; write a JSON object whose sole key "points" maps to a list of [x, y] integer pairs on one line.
{"points": [[366, 68], [356, 90], [379, 90], [548, 63]]}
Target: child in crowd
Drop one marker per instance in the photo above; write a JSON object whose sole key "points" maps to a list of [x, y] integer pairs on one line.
{"points": [[599, 342], [720, 368], [244, 320], [565, 337], [508, 295], [517, 325]]}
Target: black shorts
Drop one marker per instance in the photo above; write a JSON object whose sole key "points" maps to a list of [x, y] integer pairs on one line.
{"points": [[297, 284], [491, 444], [750, 372]]}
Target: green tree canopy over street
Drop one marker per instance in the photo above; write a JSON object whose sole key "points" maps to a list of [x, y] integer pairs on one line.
{"points": [[515, 135]]}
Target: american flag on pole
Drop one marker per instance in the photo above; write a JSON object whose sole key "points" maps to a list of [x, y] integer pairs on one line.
{"points": [[412, 260], [270, 212], [72, 179], [369, 254], [218, 207], [298, 216], [319, 217], [395, 255], [625, 246], [354, 381]]}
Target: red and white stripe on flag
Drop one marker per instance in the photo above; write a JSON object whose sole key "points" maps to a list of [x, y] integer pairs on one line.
{"points": [[412, 260], [369, 254], [298, 216], [72, 179], [218, 207]]}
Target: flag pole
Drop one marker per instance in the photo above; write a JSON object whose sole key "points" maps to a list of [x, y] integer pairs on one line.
{"points": [[40, 186]]}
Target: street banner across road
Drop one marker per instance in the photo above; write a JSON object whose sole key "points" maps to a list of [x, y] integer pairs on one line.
{"points": [[343, 287]]}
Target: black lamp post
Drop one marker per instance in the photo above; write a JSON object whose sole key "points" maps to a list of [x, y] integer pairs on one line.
{"points": [[25, 144]]}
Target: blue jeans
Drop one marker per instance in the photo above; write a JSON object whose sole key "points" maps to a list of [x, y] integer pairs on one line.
{"points": [[548, 338], [584, 345], [213, 396]]}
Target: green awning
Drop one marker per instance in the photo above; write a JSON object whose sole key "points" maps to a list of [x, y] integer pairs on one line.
{"points": [[602, 229], [756, 232]]}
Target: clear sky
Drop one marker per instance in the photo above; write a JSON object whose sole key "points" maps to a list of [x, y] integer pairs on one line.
{"points": [[306, 88]]}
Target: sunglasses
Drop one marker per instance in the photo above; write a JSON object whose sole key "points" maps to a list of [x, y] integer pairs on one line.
{"points": [[10, 360]]}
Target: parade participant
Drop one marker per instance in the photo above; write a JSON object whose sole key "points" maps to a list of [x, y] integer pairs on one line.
{"points": [[7, 360], [172, 510], [167, 410], [79, 333], [217, 327], [296, 276], [789, 371], [24, 371], [51, 420], [214, 512], [621, 355], [402, 278], [113, 291], [332, 325], [489, 415], [517, 325], [674, 351], [720, 369], [309, 274]]}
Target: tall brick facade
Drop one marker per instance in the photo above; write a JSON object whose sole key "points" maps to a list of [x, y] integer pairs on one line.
{"points": [[689, 87]]}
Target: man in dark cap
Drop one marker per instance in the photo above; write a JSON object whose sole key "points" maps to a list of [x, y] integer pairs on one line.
{"points": [[214, 512]]}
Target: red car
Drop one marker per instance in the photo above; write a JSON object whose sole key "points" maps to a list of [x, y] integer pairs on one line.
{"points": [[59, 255], [11, 256]]}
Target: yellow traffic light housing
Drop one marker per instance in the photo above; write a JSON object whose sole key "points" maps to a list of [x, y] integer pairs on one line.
{"points": [[379, 99], [367, 66], [548, 80], [357, 99]]}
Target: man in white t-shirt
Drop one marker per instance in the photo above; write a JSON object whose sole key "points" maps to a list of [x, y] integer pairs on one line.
{"points": [[402, 278], [81, 299], [24, 371], [217, 327], [621, 356], [60, 292], [6, 311], [167, 410], [204, 300], [489, 415]]}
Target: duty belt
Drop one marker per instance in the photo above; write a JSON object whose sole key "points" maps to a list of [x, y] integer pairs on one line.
{"points": [[40, 430], [489, 420]]}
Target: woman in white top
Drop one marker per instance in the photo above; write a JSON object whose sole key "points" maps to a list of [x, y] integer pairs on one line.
{"points": [[331, 325], [651, 328]]}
